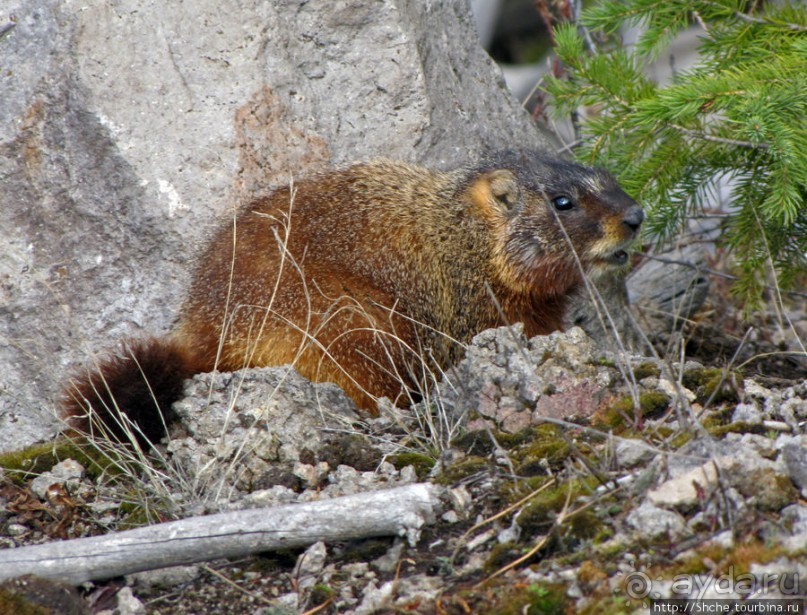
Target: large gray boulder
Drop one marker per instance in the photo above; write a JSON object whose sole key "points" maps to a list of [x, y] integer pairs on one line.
{"points": [[129, 129]]}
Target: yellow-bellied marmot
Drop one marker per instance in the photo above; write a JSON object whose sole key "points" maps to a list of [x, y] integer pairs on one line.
{"points": [[369, 275]]}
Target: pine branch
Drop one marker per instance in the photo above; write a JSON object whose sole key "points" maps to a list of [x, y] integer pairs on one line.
{"points": [[738, 114]]}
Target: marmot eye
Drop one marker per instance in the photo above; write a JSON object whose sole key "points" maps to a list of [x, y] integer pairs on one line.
{"points": [[562, 203]]}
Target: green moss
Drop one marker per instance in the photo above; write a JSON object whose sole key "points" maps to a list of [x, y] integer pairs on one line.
{"points": [[545, 599], [501, 555], [473, 443], [542, 510], [646, 370], [670, 437], [715, 428], [740, 558], [320, 594], [605, 362], [462, 469], [134, 515], [653, 403], [616, 416], [710, 383], [34, 460], [479, 442], [680, 439], [771, 491], [604, 534], [547, 448], [512, 440], [423, 464], [622, 413], [508, 598], [513, 491], [12, 602], [585, 525]]}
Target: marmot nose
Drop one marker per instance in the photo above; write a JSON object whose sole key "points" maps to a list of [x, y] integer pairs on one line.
{"points": [[633, 218]]}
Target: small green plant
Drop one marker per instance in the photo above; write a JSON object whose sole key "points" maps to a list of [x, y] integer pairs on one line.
{"points": [[736, 117]]}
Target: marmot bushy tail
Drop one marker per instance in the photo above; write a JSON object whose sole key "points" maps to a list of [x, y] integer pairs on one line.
{"points": [[373, 276], [130, 393]]}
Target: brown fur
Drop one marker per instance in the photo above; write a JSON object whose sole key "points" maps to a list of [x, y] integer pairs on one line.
{"points": [[355, 276]]}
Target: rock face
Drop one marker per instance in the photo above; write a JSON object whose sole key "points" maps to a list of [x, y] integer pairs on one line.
{"points": [[129, 129], [240, 425], [511, 382]]}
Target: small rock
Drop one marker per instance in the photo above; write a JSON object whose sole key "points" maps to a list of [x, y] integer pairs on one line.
{"points": [[747, 413], [128, 604], [310, 565], [286, 604], [794, 457], [794, 518], [356, 570], [461, 500], [408, 475], [307, 473], [630, 453], [68, 471], [164, 577], [673, 390], [681, 492], [724, 540], [787, 576], [718, 462], [389, 561], [480, 539], [475, 563], [375, 598], [652, 522], [764, 447], [17, 529], [510, 534], [274, 496], [515, 421]]}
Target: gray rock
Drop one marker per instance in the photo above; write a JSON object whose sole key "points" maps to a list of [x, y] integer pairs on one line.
{"points": [[652, 522], [682, 491], [794, 456], [516, 382], [787, 404], [240, 424], [68, 472], [310, 564], [630, 453], [164, 577], [389, 561], [418, 588], [794, 519], [669, 288], [747, 413], [118, 159], [127, 603], [785, 578]]}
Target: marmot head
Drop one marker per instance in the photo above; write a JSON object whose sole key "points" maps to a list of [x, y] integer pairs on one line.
{"points": [[550, 218]]}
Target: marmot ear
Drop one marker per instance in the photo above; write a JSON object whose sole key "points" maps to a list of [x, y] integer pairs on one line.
{"points": [[498, 188], [504, 187]]}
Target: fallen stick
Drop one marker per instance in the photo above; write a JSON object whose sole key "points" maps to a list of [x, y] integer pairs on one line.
{"points": [[401, 511]]}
